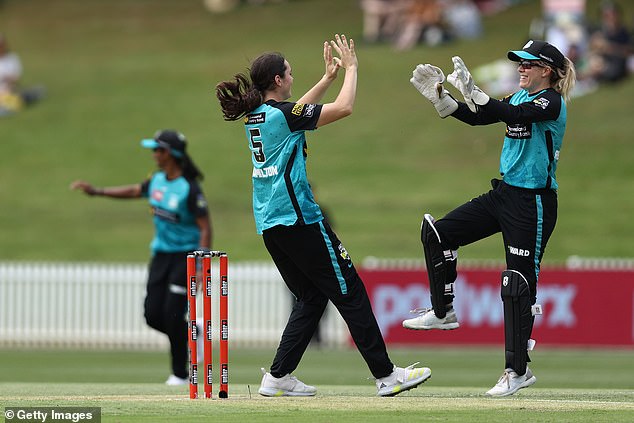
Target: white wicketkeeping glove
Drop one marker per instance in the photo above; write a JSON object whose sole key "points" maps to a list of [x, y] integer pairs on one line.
{"points": [[428, 81], [461, 79]]}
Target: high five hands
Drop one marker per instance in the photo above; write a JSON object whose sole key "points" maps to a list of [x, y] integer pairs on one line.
{"points": [[347, 56], [428, 80]]}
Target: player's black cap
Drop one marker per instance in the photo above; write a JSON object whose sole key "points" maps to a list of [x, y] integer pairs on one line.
{"points": [[172, 141], [539, 50]]}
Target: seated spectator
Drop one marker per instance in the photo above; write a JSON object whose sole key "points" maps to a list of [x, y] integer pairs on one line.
{"points": [[610, 46], [423, 21], [12, 97], [382, 18]]}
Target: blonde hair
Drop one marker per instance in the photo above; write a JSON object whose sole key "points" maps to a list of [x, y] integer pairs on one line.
{"points": [[563, 81]]}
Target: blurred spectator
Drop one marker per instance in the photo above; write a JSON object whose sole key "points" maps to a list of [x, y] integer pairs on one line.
{"points": [[406, 23], [12, 96], [563, 24], [10, 73], [610, 45], [423, 21], [463, 19], [221, 6], [382, 19]]}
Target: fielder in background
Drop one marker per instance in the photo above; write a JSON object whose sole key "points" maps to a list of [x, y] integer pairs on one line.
{"points": [[522, 205], [312, 261], [182, 224]]}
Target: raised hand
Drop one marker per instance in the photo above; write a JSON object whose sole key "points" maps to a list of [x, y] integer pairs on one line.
{"points": [[463, 81], [345, 50], [333, 64], [428, 79]]}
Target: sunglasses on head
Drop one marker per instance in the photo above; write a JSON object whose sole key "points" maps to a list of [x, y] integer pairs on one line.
{"points": [[526, 64]]}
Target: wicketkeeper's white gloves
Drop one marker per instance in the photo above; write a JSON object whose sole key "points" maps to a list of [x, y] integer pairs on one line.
{"points": [[461, 79], [428, 81]]}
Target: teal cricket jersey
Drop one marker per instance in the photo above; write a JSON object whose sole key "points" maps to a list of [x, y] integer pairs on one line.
{"points": [[532, 143], [535, 127], [175, 206], [281, 192]]}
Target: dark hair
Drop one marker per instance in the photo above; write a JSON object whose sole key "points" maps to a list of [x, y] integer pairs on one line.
{"points": [[240, 96], [190, 170]]}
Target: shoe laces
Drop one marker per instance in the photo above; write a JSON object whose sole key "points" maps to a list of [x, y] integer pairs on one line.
{"points": [[410, 367], [403, 375], [505, 379], [421, 310]]}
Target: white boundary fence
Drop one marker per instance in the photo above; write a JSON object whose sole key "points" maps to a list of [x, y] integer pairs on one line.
{"points": [[93, 305], [96, 305]]}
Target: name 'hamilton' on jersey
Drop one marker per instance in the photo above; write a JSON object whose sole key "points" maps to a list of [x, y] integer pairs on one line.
{"points": [[281, 192]]}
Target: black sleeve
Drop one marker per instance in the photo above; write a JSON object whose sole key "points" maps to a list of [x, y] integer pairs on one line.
{"points": [[196, 201], [145, 186], [481, 117], [300, 117], [546, 106]]}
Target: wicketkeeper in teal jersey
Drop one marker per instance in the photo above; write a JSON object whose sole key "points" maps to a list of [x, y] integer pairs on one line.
{"points": [[522, 204]]}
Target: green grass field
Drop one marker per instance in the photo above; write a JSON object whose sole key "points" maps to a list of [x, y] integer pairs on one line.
{"points": [[117, 70], [572, 386]]}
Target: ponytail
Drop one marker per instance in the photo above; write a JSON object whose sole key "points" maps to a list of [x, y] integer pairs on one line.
{"points": [[190, 170], [564, 80], [237, 97], [242, 95]]}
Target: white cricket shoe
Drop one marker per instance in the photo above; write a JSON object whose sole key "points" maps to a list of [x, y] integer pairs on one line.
{"points": [[426, 320], [285, 386], [510, 382], [402, 379], [176, 381]]}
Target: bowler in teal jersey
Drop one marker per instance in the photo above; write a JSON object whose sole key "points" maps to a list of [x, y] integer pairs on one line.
{"points": [[312, 261]]}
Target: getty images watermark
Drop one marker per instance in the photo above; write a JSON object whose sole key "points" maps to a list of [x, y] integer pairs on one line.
{"points": [[52, 414]]}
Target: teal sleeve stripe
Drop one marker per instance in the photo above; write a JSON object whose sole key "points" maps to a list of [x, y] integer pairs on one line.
{"points": [[538, 238], [333, 258]]}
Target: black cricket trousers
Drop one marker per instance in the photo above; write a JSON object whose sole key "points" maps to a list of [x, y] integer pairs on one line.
{"points": [[166, 305], [316, 268]]}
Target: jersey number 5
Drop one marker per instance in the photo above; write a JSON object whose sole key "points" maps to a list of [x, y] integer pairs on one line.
{"points": [[256, 143]]}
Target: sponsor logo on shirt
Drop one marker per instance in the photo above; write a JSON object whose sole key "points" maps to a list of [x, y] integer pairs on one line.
{"points": [[157, 195], [310, 108], [518, 131], [165, 215], [172, 203], [541, 102], [255, 118], [298, 109], [201, 202]]}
